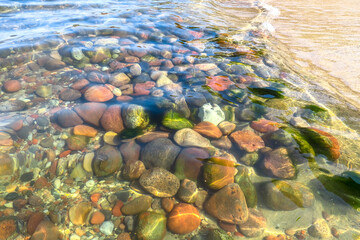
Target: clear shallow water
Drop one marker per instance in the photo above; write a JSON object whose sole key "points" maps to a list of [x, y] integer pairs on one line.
{"points": [[229, 34]]}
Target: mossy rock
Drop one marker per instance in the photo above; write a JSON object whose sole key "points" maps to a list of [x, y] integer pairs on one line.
{"points": [[248, 188], [315, 114], [77, 142], [218, 234], [173, 120], [151, 226]]}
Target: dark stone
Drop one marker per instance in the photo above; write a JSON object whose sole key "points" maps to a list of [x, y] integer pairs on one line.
{"points": [[42, 121], [26, 177], [23, 133], [11, 196], [160, 152]]}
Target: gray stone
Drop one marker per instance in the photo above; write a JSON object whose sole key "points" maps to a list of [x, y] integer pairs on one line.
{"points": [[107, 227], [187, 137], [160, 152], [211, 113], [160, 182]]}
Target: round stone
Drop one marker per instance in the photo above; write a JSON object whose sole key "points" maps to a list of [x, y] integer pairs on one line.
{"points": [[107, 161], [137, 205], [77, 142], [160, 152], [160, 182], [68, 118], [187, 137], [98, 93], [11, 86], [79, 213], [183, 219]]}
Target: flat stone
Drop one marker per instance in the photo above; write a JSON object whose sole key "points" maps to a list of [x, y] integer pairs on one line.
{"points": [[247, 140], [160, 182], [255, 225], [187, 137], [264, 125], [160, 152], [98, 93], [12, 106], [228, 205], [226, 127], [68, 118], [70, 94], [282, 195], [208, 129], [137, 205], [84, 130], [277, 163], [151, 136]]}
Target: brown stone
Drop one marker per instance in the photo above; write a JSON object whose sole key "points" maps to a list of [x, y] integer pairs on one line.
{"points": [[34, 221], [97, 77], [124, 236], [41, 182], [80, 84], [183, 219], [79, 213], [11, 86], [97, 218], [148, 137], [208, 129], [119, 80], [6, 165], [277, 164], [111, 119], [264, 126], [85, 130], [19, 203], [68, 118], [189, 162], [217, 176], [46, 230], [167, 204], [16, 125], [98, 93], [228, 227], [223, 142], [133, 170], [70, 94], [160, 182], [247, 140], [137, 205], [226, 127], [52, 63], [228, 205], [130, 151], [143, 88], [77, 142], [255, 225], [7, 228], [91, 112]]}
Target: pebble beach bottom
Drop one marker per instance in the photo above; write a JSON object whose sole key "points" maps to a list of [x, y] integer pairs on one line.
{"points": [[151, 120]]}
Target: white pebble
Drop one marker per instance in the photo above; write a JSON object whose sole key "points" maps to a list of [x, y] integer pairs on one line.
{"points": [[57, 183], [107, 227], [90, 183]]}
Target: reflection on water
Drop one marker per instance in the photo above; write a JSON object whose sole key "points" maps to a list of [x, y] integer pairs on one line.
{"points": [[163, 120]]}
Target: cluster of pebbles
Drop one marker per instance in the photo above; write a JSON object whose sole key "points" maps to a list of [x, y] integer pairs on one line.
{"points": [[153, 133]]}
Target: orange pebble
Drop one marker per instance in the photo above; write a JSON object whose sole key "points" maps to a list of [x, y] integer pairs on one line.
{"points": [[95, 197], [64, 154], [116, 209]]}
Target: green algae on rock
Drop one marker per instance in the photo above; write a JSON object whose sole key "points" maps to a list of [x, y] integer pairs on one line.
{"points": [[151, 226], [282, 195], [173, 120], [107, 161], [248, 188]]}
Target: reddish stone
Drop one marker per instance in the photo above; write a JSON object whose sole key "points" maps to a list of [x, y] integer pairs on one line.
{"points": [[116, 211], [34, 221], [277, 237], [124, 236], [64, 153], [228, 227], [11, 86], [329, 143], [188, 164], [255, 225], [98, 93], [97, 77], [19, 203], [183, 219], [91, 112], [148, 137], [7, 228], [208, 129], [124, 98], [41, 182], [68, 118], [95, 197], [219, 83], [247, 140], [133, 170], [16, 125], [130, 151], [143, 88], [84, 130], [156, 62], [264, 125], [277, 164], [80, 84], [46, 230], [115, 65], [97, 218], [167, 204], [131, 59], [197, 35], [111, 119], [217, 176]]}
